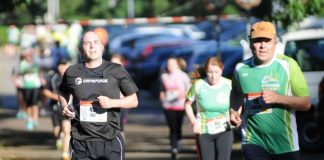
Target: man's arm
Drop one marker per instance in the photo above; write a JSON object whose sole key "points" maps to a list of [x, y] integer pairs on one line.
{"points": [[49, 94], [130, 101], [300, 100], [293, 102], [236, 102], [66, 109]]}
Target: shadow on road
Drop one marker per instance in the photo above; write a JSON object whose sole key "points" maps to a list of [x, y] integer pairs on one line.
{"points": [[15, 138]]}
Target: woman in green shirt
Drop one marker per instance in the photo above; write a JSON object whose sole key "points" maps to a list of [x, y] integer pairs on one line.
{"points": [[211, 94]]}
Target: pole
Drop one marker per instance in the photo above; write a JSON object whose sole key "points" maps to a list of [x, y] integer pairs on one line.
{"points": [[130, 8]]}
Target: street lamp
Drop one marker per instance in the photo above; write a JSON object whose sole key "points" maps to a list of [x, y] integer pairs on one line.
{"points": [[53, 10], [130, 8]]}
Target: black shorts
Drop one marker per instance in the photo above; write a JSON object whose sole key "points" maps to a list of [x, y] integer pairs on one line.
{"points": [[255, 152], [57, 116], [103, 150], [31, 96]]}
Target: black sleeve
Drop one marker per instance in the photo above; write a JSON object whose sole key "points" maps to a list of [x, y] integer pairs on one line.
{"points": [[48, 83], [126, 84], [64, 87]]}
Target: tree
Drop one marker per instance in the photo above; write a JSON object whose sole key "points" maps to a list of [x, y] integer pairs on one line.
{"points": [[21, 11], [288, 12]]}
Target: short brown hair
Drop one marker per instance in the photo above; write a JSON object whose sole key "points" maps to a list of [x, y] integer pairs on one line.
{"points": [[215, 61]]}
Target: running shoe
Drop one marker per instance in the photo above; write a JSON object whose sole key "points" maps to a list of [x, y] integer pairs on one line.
{"points": [[66, 156], [30, 125], [174, 154], [59, 144], [21, 115]]}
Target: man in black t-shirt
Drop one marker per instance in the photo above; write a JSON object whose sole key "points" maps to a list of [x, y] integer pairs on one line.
{"points": [[95, 86], [61, 125]]}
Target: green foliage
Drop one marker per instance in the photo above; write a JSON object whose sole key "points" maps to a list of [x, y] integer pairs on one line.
{"points": [[296, 13], [163, 6], [100, 11], [3, 35], [315, 6], [22, 15], [120, 11], [73, 9], [231, 9], [77, 9], [291, 12]]}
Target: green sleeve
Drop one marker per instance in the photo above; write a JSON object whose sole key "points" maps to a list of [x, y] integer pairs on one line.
{"points": [[298, 83], [192, 91]]}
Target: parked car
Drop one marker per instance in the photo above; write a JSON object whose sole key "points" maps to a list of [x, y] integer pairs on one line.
{"points": [[146, 72], [319, 112], [132, 45], [146, 48], [307, 48], [190, 30], [230, 55]]}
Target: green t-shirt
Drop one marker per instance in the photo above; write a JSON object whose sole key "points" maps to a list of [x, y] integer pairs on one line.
{"points": [[30, 75], [272, 127], [212, 103]]}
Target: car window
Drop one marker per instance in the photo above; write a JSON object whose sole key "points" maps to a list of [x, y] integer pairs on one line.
{"points": [[309, 54]]}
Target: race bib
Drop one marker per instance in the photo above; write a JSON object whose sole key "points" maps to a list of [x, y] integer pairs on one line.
{"points": [[216, 125], [33, 79], [255, 104], [171, 96], [91, 111]]}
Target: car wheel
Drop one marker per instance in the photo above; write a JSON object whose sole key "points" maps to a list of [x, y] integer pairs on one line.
{"points": [[310, 137]]}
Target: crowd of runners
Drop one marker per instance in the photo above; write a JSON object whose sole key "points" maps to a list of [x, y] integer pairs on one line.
{"points": [[64, 72]]}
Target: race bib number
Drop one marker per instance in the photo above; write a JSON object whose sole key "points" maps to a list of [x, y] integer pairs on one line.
{"points": [[32, 78], [216, 125], [91, 111], [255, 104], [171, 96]]}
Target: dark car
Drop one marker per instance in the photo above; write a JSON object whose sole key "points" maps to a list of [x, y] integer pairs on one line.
{"points": [[319, 111], [146, 72]]}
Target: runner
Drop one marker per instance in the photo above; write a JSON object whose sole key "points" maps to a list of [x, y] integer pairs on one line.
{"points": [[211, 94], [119, 59], [175, 83], [31, 81], [96, 85], [61, 125], [272, 88]]}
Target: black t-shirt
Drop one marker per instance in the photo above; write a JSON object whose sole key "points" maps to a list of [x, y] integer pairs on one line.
{"points": [[109, 79], [53, 82]]}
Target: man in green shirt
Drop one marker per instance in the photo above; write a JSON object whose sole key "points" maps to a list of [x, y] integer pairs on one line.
{"points": [[267, 90]]}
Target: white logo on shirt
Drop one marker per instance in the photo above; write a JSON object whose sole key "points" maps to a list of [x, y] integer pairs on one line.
{"points": [[78, 81], [270, 82]]}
